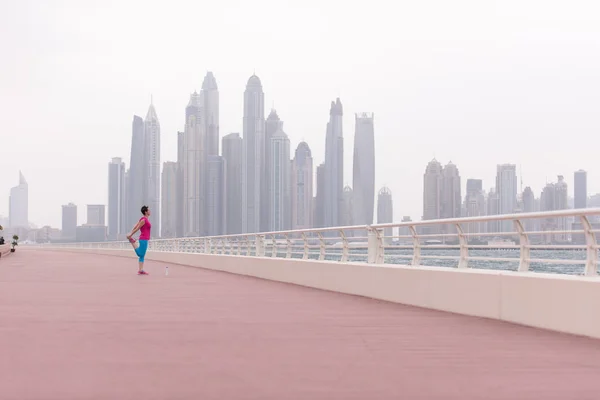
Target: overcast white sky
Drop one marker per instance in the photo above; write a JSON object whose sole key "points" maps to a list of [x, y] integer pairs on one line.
{"points": [[476, 82]]}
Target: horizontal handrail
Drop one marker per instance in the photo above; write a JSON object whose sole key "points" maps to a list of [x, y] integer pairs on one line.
{"points": [[345, 243]]}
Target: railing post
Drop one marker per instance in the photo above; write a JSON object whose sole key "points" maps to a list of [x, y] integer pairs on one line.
{"points": [[260, 246], [274, 244], [288, 253], [248, 250], [321, 247], [416, 260], [464, 248], [306, 248], [375, 246], [345, 247], [524, 249], [591, 260]]}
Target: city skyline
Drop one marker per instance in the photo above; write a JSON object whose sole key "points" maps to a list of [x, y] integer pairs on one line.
{"points": [[455, 94], [152, 124]]}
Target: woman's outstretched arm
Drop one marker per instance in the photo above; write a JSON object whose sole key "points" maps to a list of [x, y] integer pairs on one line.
{"points": [[136, 228]]}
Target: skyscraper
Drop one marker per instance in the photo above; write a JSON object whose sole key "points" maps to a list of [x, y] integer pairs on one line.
{"points": [[215, 196], [136, 177], [334, 166], [169, 200], [347, 208], [529, 207], [253, 160], [432, 195], [475, 205], [271, 126], [210, 105], [432, 191], [493, 208], [302, 188], [96, 214], [385, 212], [280, 217], [554, 197], [561, 203], [580, 189], [506, 189], [117, 223], [319, 206], [363, 174], [194, 168], [179, 232], [69, 222], [474, 186], [451, 197], [232, 153], [18, 205], [152, 138]]}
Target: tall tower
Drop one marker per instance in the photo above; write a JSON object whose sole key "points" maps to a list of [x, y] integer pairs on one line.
{"points": [[528, 207], [271, 126], [169, 200], [451, 197], [179, 231], [385, 212], [475, 205], [347, 208], [580, 189], [210, 102], [506, 190], [152, 137], [117, 224], [232, 153], [432, 191], [334, 166], [280, 216], [215, 196], [319, 206], [253, 160], [18, 212], [69, 222], [193, 168], [363, 176], [302, 188], [136, 177]]}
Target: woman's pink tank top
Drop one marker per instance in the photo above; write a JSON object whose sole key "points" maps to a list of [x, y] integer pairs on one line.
{"points": [[145, 229]]}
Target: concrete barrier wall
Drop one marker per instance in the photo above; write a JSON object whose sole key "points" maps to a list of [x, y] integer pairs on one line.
{"points": [[556, 302], [4, 250]]}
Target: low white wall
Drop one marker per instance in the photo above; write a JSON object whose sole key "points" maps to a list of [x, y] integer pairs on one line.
{"points": [[556, 302], [4, 250]]}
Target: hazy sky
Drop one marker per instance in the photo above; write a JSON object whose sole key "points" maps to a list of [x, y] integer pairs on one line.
{"points": [[476, 82]]}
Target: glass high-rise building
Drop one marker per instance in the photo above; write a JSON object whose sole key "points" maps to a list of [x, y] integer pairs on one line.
{"points": [[363, 171], [302, 188], [580, 189], [117, 222], [169, 200], [253, 179], [232, 154], [334, 166]]}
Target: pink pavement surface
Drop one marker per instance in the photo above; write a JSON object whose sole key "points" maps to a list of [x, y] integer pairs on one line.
{"points": [[75, 326]]}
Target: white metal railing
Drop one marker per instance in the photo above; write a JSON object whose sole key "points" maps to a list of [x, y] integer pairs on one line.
{"points": [[459, 242]]}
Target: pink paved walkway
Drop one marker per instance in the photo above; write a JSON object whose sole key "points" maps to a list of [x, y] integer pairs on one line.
{"points": [[74, 326]]}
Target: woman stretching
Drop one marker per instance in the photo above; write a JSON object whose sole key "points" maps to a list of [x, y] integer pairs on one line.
{"points": [[144, 227]]}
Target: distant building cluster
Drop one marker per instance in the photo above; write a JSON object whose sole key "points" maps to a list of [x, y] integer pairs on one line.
{"points": [[442, 199], [250, 183], [254, 182]]}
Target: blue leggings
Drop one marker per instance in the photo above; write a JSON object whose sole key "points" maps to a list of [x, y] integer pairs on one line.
{"points": [[141, 250]]}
